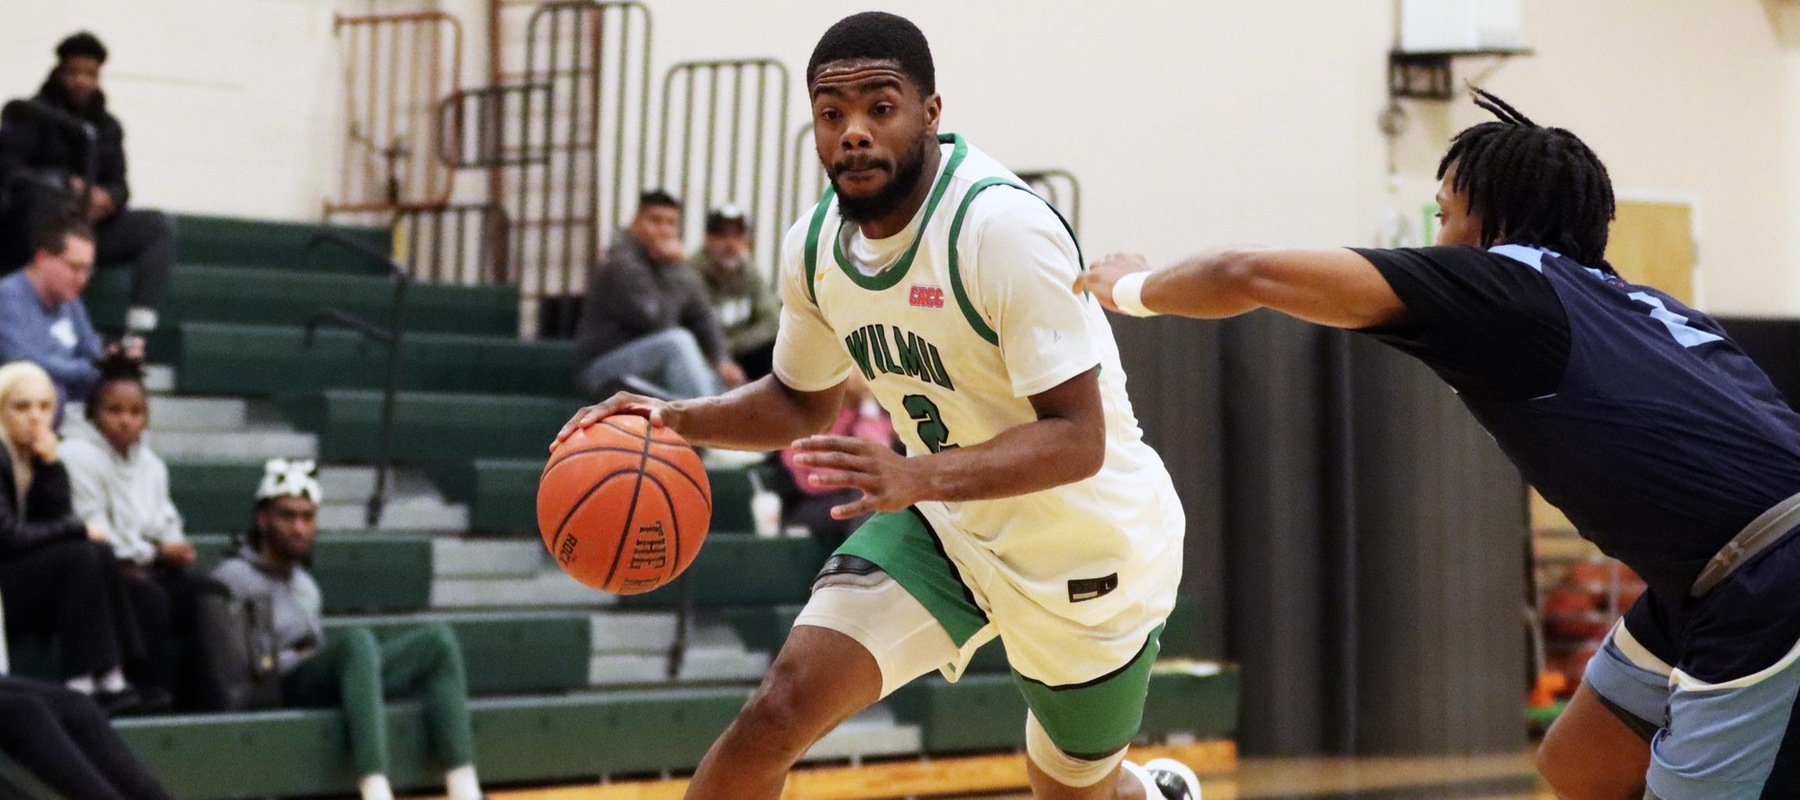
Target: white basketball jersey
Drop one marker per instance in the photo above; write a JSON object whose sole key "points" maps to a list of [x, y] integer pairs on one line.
{"points": [[973, 313]]}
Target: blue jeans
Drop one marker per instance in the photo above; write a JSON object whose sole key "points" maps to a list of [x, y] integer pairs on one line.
{"points": [[670, 358]]}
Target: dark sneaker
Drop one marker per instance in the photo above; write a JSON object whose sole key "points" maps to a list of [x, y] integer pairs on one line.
{"points": [[1174, 779]]}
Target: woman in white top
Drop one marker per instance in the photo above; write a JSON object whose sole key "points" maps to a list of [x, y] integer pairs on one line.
{"points": [[121, 487]]}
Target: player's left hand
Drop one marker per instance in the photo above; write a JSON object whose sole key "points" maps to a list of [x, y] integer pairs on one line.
{"points": [[888, 480], [1101, 275]]}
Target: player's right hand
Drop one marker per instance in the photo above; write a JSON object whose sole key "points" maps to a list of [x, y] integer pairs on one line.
{"points": [[661, 413]]}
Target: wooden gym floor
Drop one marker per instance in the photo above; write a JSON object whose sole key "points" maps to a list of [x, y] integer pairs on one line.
{"points": [[1504, 777]]}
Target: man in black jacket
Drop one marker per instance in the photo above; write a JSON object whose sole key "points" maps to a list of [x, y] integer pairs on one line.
{"points": [[63, 149], [648, 316]]}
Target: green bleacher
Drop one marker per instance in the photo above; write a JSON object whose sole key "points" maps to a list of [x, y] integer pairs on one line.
{"points": [[272, 360], [283, 297], [475, 416], [501, 493], [430, 427]]}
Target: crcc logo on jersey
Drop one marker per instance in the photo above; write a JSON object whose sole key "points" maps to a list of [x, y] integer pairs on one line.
{"points": [[926, 297]]}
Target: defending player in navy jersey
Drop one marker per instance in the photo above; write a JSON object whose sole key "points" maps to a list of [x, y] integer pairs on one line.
{"points": [[1637, 416]]}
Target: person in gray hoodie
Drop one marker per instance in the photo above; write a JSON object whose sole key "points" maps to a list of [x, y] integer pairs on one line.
{"points": [[347, 667]]}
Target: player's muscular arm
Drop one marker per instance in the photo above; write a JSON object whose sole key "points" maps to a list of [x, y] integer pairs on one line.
{"points": [[1328, 287], [763, 415], [1066, 444]]}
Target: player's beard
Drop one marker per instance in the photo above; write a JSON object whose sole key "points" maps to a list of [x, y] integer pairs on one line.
{"points": [[907, 175]]}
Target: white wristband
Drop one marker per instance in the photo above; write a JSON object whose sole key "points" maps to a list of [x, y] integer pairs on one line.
{"points": [[1128, 295]]}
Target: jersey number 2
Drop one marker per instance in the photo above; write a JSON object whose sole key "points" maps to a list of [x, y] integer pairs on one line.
{"points": [[932, 430]]}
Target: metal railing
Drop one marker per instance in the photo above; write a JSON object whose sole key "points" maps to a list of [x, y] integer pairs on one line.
{"points": [[806, 182], [1061, 189], [566, 177], [397, 69], [392, 337], [720, 142], [460, 243]]}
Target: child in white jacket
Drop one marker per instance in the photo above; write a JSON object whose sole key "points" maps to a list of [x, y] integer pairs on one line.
{"points": [[121, 486]]}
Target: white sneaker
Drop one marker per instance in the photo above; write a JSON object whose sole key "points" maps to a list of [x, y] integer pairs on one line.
{"points": [[1174, 779]]}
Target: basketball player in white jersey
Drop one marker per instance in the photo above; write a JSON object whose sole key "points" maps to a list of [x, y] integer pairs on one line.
{"points": [[1028, 506]]}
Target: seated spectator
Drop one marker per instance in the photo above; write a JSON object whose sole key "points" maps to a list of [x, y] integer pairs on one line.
{"points": [[743, 301], [646, 315], [43, 172], [347, 668], [810, 506], [64, 739], [121, 487], [56, 574], [42, 319]]}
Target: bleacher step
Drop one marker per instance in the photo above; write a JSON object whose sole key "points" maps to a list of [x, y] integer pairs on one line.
{"points": [[171, 413], [874, 733], [551, 588], [159, 378], [254, 444], [418, 513], [346, 483], [478, 558], [634, 632]]}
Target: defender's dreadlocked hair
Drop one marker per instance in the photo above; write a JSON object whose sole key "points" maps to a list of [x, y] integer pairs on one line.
{"points": [[877, 36], [1532, 185]]}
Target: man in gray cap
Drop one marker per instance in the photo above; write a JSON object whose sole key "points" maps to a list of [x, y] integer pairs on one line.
{"points": [[741, 298]]}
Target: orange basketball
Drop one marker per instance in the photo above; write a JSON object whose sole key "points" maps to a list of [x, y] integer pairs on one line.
{"points": [[623, 506]]}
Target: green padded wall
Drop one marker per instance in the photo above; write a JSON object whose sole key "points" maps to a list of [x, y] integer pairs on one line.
{"points": [[214, 358], [272, 297], [368, 573], [232, 241]]}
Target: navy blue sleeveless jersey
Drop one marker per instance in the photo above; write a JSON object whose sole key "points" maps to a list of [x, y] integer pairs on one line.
{"points": [[1634, 414]]}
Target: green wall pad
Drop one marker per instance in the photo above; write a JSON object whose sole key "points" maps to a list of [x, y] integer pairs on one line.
{"points": [[237, 242], [276, 297], [515, 652], [429, 426], [502, 493], [214, 498], [742, 570], [212, 358], [525, 740], [366, 573]]}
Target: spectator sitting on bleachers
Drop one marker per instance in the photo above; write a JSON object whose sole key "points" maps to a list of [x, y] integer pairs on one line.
{"points": [[347, 667], [42, 319], [122, 487], [56, 573], [744, 303], [810, 506], [64, 739], [647, 316], [44, 158]]}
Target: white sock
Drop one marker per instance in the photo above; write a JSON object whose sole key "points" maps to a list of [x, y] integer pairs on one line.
{"points": [[375, 787], [113, 680], [140, 320], [83, 684], [460, 783], [1150, 790]]}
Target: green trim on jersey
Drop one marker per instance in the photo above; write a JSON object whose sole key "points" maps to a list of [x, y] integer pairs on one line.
{"points": [[956, 284], [812, 244], [886, 278]]}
